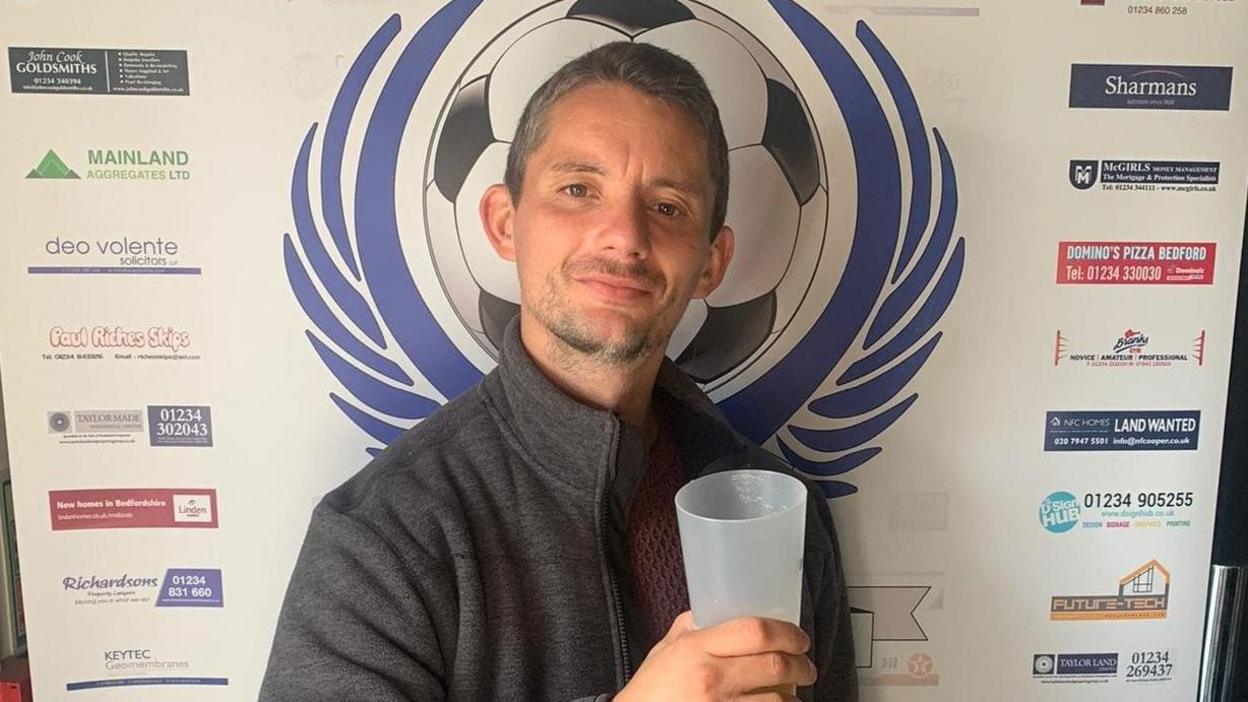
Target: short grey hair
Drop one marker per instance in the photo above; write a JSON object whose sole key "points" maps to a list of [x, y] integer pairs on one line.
{"points": [[643, 67]]}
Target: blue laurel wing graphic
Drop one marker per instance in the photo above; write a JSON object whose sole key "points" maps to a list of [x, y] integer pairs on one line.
{"points": [[881, 264], [351, 341]]}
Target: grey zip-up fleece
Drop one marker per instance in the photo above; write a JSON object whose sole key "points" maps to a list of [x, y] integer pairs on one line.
{"points": [[483, 555]]}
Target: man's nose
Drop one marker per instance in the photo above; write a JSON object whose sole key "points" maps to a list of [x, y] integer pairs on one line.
{"points": [[625, 228]]}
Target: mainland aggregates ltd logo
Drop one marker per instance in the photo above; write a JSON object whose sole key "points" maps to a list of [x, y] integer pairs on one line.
{"points": [[1150, 87], [1145, 176], [1144, 593], [1132, 348], [116, 164], [167, 425], [814, 335], [180, 587], [112, 342], [1062, 511], [78, 71]]}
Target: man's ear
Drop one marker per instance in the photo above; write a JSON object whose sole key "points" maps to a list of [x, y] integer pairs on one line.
{"points": [[716, 263], [497, 215]]}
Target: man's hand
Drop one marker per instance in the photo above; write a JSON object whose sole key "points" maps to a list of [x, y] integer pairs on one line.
{"points": [[734, 660]]}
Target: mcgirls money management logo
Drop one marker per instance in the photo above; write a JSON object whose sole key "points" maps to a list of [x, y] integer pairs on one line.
{"points": [[744, 343]]}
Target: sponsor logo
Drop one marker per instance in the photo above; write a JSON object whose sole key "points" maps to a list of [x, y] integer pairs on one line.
{"points": [[132, 508], [116, 256], [1142, 430], [1133, 87], [118, 164], [1159, 176], [180, 425], [1074, 667], [166, 425], [919, 670], [1144, 593], [180, 587], [124, 667], [1130, 350], [115, 342], [1063, 511], [98, 71], [1135, 263]]}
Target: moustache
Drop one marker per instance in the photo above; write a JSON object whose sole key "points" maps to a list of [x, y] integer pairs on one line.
{"points": [[637, 271]]}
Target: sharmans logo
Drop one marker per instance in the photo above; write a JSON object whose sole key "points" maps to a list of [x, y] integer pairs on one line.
{"points": [[1144, 593], [120, 164], [1146, 176], [52, 168], [1130, 87], [1131, 350]]}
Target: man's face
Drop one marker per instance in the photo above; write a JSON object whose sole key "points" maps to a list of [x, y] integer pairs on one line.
{"points": [[611, 234]]}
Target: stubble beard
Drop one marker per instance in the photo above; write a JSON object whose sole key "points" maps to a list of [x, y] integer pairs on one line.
{"points": [[577, 335]]}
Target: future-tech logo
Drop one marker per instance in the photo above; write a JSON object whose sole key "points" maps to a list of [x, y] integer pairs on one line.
{"points": [[758, 358], [1144, 593], [1138, 87]]}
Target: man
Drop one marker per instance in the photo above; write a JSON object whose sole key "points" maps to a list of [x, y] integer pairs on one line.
{"points": [[521, 543]]}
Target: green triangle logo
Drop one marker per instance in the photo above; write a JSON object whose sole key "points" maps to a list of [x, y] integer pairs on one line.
{"points": [[52, 167]]}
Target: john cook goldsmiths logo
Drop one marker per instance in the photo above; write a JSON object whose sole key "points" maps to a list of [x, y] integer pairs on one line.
{"points": [[896, 263], [1144, 593]]}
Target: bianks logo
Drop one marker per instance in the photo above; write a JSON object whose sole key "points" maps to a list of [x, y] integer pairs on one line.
{"points": [[1129, 352], [1144, 593], [858, 280], [192, 508], [1117, 86]]}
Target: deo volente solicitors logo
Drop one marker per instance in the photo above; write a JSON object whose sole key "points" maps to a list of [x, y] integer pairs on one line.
{"points": [[1144, 593], [1131, 87]]}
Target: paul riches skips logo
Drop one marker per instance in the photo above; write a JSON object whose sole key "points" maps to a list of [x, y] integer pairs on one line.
{"points": [[1131, 350], [1144, 593], [872, 287]]}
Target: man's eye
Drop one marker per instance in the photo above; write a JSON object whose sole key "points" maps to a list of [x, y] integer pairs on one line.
{"points": [[667, 209], [576, 190]]}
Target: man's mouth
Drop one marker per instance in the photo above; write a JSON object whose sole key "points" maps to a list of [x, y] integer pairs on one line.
{"points": [[619, 288]]}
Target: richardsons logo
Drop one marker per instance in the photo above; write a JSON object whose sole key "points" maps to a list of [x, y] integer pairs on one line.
{"points": [[1144, 593], [119, 164], [180, 587], [1132, 349], [138, 665], [1062, 511], [113, 256], [1150, 87], [115, 342], [1148, 176]]}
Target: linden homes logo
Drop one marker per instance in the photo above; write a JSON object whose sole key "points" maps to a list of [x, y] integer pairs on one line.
{"points": [[815, 300], [1118, 86], [1144, 593], [118, 164], [1131, 350]]}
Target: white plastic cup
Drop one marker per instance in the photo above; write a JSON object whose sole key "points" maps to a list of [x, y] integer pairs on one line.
{"points": [[742, 533]]}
